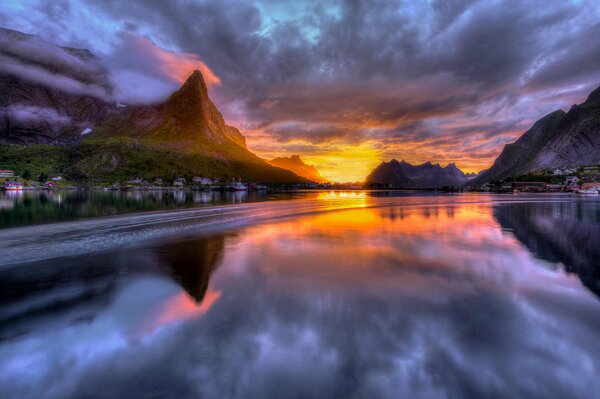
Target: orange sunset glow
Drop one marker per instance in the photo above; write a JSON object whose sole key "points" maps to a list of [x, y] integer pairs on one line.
{"points": [[328, 199]]}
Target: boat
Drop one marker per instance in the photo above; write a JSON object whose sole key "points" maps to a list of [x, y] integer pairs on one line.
{"points": [[12, 185], [236, 186], [591, 191]]}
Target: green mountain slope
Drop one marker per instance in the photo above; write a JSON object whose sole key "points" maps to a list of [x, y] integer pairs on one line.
{"points": [[186, 136]]}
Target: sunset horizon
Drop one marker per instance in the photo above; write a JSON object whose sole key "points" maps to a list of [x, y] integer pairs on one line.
{"points": [[297, 199], [415, 85]]}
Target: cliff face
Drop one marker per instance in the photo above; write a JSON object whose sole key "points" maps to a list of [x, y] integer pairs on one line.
{"points": [[427, 175], [50, 94], [558, 140], [190, 116], [296, 165]]}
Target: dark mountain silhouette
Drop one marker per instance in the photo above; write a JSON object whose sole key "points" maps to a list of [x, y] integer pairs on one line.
{"points": [[296, 165], [405, 175]]}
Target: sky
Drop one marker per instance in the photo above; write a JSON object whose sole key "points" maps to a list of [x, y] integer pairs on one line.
{"points": [[346, 84]]}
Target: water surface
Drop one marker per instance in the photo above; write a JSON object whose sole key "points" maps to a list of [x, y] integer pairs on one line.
{"points": [[359, 295], [19, 208]]}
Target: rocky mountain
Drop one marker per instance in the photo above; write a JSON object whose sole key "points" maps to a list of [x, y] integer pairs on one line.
{"points": [[558, 140], [390, 173], [56, 105], [50, 94], [296, 165], [187, 122], [405, 175]]}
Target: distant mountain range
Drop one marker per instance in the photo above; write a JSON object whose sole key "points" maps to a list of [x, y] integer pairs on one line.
{"points": [[405, 175], [296, 165], [558, 140], [56, 104]]}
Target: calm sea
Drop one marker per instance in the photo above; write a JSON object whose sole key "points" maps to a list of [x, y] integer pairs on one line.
{"points": [[310, 295]]}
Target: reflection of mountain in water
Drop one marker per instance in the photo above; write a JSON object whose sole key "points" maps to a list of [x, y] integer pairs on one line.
{"points": [[567, 232], [55, 293], [192, 262]]}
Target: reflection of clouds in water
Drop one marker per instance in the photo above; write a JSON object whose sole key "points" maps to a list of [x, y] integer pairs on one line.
{"points": [[430, 304]]}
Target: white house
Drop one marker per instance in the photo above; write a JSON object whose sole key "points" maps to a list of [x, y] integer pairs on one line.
{"points": [[180, 181], [202, 180], [571, 180], [558, 172], [137, 180], [56, 178]]}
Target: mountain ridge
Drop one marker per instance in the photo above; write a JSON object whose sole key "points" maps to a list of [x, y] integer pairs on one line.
{"points": [[426, 175], [557, 140], [295, 164]]}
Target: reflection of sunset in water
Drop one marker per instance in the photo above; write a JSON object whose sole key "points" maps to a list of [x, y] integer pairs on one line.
{"points": [[177, 308], [377, 293], [413, 248]]}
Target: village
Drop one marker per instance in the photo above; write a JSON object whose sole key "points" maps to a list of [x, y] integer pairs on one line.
{"points": [[13, 182], [582, 180]]}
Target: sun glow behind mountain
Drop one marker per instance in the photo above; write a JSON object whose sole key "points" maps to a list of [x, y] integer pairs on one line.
{"points": [[346, 85]]}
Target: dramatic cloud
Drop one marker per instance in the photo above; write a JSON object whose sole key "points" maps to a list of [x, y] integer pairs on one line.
{"points": [[390, 76], [71, 70], [36, 114], [142, 72]]}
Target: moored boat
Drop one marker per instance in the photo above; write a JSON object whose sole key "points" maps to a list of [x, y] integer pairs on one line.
{"points": [[12, 185], [588, 192], [236, 186]]}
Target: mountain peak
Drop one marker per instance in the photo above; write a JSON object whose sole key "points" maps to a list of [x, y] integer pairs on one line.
{"points": [[195, 86], [425, 175], [593, 98], [191, 117], [196, 77], [296, 165]]}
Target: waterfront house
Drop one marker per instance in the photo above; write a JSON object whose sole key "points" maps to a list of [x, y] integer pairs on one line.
{"points": [[12, 185], [554, 187], [7, 173], [530, 186], [137, 180], [590, 186], [56, 178], [571, 180], [49, 184], [591, 170], [158, 181], [179, 182], [205, 181]]}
